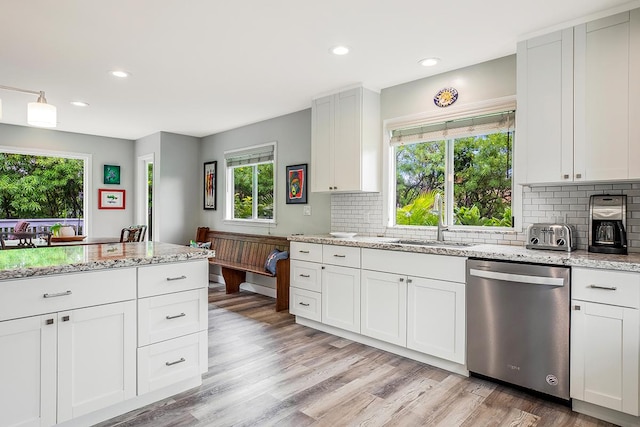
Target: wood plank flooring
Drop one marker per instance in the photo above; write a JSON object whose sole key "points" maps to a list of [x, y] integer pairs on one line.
{"points": [[264, 370]]}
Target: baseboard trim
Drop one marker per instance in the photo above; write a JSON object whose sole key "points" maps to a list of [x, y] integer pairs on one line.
{"points": [[258, 289], [391, 348]]}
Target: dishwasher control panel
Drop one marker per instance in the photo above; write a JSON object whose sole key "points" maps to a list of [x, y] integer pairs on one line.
{"points": [[559, 237]]}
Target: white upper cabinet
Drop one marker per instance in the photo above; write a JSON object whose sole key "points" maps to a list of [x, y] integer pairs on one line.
{"points": [[578, 94], [545, 108], [606, 96], [345, 142]]}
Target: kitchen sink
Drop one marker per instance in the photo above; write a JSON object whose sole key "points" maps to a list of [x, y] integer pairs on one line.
{"points": [[436, 244]]}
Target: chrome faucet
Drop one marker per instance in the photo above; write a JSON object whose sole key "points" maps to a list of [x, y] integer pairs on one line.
{"points": [[438, 203]]}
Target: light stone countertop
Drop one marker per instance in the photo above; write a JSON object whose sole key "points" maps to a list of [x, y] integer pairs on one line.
{"points": [[18, 263], [629, 262]]}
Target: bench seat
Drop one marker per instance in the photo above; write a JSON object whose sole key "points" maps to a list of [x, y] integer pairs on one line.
{"points": [[238, 254]]}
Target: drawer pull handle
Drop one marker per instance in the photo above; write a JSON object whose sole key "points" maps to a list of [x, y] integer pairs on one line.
{"points": [[170, 279], [182, 359], [49, 322], [305, 275], [606, 288], [339, 256], [304, 304], [176, 316], [59, 294], [304, 252]]}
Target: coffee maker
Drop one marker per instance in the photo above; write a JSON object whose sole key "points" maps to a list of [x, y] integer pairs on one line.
{"points": [[607, 224]]}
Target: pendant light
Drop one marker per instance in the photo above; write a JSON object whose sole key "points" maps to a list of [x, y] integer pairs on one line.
{"points": [[39, 113]]}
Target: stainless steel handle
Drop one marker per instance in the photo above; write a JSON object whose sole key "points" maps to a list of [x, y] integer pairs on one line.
{"points": [[59, 294], [304, 252], [176, 316], [521, 278], [306, 305], [565, 176], [170, 279], [578, 175], [409, 281], [577, 308], [305, 275], [182, 359], [339, 256], [401, 279], [604, 288]]}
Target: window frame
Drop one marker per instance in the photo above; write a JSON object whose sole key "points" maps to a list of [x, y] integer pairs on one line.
{"points": [[454, 113], [229, 186], [87, 160]]}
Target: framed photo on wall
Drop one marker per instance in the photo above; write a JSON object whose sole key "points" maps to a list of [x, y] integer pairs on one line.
{"points": [[111, 174], [111, 199], [210, 187], [297, 184]]}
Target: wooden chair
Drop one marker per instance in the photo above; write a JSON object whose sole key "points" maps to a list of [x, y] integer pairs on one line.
{"points": [[134, 233]]}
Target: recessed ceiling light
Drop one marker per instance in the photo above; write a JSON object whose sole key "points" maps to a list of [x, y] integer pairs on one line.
{"points": [[429, 62], [79, 103], [119, 73], [340, 50]]}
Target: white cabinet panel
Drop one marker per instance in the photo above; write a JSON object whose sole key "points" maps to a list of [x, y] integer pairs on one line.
{"points": [[306, 304], [605, 355], [441, 267], [436, 318], [28, 371], [304, 251], [607, 287], [169, 316], [341, 297], [345, 256], [161, 279], [384, 307], [96, 358], [322, 147], [306, 275]]}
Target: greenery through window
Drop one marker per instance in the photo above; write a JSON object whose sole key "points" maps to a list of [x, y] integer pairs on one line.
{"points": [[472, 171], [251, 178], [34, 186]]}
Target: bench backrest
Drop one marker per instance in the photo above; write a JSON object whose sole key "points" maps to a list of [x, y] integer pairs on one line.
{"points": [[240, 248]]}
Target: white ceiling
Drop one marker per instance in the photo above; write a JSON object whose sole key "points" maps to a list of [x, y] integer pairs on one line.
{"points": [[203, 66]]}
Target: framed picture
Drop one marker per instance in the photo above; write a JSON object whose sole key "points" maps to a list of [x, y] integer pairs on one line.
{"points": [[111, 174], [210, 187], [111, 199], [297, 184]]}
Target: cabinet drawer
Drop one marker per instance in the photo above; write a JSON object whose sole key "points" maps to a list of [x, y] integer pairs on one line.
{"points": [[169, 362], [306, 275], [60, 292], [169, 316], [441, 267], [345, 256], [306, 251], [305, 304], [605, 286], [167, 278]]}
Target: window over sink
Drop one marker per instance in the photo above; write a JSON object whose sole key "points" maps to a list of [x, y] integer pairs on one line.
{"points": [[466, 160]]}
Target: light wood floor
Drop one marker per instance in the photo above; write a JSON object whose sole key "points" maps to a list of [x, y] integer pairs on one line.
{"points": [[264, 370]]}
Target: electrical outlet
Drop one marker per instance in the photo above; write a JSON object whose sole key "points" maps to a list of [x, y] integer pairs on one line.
{"points": [[306, 211]]}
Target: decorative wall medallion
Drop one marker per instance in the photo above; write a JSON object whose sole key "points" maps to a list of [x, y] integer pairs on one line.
{"points": [[445, 97]]}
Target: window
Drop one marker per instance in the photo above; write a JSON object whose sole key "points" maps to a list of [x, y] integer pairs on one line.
{"points": [[468, 161], [250, 193], [43, 188]]}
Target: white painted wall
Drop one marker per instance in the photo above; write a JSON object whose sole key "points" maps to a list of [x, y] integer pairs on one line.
{"points": [[103, 150], [293, 135]]}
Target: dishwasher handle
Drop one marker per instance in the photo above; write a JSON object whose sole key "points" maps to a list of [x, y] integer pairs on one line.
{"points": [[518, 278]]}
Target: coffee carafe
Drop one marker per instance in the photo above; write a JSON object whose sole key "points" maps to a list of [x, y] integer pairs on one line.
{"points": [[607, 224]]}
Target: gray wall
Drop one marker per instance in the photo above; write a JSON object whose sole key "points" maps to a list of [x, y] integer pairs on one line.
{"points": [[176, 194], [293, 135], [103, 150]]}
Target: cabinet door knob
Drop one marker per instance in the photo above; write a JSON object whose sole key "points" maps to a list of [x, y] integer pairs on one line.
{"points": [[401, 279], [576, 307], [49, 321], [578, 175], [565, 176], [322, 267], [65, 318], [409, 281], [330, 188]]}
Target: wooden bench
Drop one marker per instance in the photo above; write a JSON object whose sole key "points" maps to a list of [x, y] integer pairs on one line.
{"points": [[238, 253]]}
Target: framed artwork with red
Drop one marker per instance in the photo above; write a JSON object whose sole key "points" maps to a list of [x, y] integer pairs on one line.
{"points": [[297, 184], [111, 199]]}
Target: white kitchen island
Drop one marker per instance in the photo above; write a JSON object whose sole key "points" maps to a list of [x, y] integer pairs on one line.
{"points": [[91, 332]]}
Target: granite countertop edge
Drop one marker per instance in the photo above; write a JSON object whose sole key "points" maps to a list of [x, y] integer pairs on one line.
{"points": [[168, 253], [580, 258]]}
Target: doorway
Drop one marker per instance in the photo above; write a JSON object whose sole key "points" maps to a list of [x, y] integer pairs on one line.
{"points": [[145, 211]]}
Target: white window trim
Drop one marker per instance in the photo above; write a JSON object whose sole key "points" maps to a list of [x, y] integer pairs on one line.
{"points": [[228, 196], [462, 111], [87, 187]]}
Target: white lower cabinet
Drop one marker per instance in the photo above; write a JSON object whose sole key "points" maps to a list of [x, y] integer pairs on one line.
{"points": [[96, 358], [384, 307], [28, 371], [305, 303], [436, 318], [341, 297], [605, 338]]}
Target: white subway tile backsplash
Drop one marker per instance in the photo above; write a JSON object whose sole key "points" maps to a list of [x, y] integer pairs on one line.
{"points": [[364, 213]]}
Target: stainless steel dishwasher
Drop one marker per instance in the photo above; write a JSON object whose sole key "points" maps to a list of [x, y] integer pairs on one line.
{"points": [[518, 324]]}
